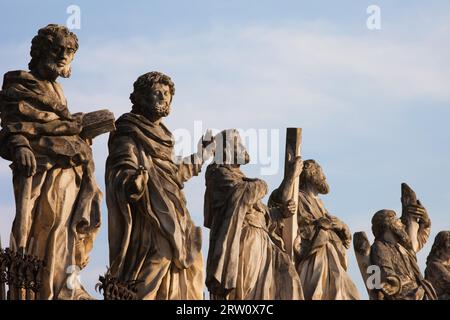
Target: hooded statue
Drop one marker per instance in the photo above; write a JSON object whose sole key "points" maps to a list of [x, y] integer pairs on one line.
{"points": [[246, 259]]}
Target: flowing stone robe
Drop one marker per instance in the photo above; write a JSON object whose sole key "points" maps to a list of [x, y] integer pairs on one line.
{"points": [[396, 260], [152, 239], [322, 262], [438, 274], [64, 199], [244, 263]]}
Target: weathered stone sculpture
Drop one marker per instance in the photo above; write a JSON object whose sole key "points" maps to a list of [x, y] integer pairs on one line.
{"points": [[152, 237], [394, 251], [321, 243], [438, 265], [57, 198], [246, 260]]}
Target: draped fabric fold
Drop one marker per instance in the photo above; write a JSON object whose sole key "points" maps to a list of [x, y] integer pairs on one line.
{"points": [[152, 239], [64, 199], [243, 262]]}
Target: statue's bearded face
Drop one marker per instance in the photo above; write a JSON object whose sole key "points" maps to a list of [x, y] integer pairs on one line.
{"points": [[56, 62], [317, 179], [156, 102], [399, 230]]}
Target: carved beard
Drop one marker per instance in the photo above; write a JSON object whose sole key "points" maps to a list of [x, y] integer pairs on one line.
{"points": [[321, 185], [161, 110], [52, 69], [154, 111], [401, 235]]}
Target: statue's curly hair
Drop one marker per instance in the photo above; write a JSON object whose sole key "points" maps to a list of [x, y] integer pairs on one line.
{"points": [[147, 80], [42, 42], [381, 221]]}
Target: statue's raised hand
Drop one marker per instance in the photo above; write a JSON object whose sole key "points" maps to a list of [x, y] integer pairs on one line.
{"points": [[206, 146], [418, 212], [297, 167], [25, 161]]}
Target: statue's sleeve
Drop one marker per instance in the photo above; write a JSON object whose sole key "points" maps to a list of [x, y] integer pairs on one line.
{"points": [[22, 122], [9, 144], [418, 230], [423, 233], [122, 161], [276, 208], [342, 230], [189, 167], [253, 189]]}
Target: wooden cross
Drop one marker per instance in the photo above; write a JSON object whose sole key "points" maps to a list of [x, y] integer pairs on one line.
{"points": [[293, 143]]}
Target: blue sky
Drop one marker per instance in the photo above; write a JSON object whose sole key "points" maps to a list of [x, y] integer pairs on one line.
{"points": [[373, 105]]}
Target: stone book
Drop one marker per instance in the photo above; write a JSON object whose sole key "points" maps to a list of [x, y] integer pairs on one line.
{"points": [[97, 123]]}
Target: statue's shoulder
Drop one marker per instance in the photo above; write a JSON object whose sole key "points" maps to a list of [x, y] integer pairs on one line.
{"points": [[219, 172], [381, 249], [129, 118], [19, 81], [18, 76], [125, 125], [212, 169]]}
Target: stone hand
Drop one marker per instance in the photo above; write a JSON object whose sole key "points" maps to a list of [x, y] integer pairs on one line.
{"points": [[324, 223], [338, 224], [206, 146], [78, 119], [341, 229], [25, 161], [290, 208], [139, 182], [391, 286], [418, 211], [296, 167]]}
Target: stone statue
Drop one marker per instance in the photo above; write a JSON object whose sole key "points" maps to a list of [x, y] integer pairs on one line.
{"points": [[152, 237], [57, 197], [394, 251], [246, 260], [438, 265], [321, 242]]}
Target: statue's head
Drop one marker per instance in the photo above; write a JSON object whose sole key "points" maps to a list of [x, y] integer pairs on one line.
{"points": [[387, 226], [230, 149], [312, 176], [52, 52], [441, 247], [152, 95]]}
